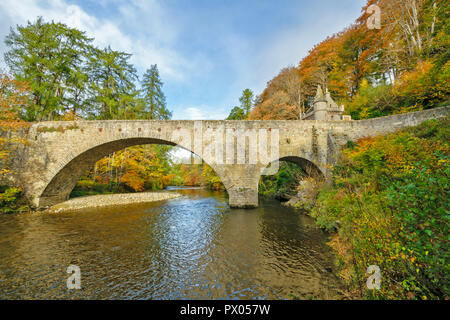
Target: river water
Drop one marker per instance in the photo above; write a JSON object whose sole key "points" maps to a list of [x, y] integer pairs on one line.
{"points": [[192, 247]]}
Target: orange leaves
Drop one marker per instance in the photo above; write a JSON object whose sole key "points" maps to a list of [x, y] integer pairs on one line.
{"points": [[275, 108], [282, 99], [13, 97], [191, 174], [389, 58], [167, 180], [362, 145], [133, 180]]}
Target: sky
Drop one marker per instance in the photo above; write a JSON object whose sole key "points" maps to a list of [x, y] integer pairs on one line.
{"points": [[207, 51]]}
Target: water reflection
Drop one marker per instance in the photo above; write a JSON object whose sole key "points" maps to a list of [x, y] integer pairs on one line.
{"points": [[193, 247]]}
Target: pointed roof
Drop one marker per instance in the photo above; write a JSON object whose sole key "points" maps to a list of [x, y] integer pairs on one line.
{"points": [[319, 94]]}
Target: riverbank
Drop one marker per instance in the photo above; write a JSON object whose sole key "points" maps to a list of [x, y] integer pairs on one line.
{"points": [[386, 206], [109, 200]]}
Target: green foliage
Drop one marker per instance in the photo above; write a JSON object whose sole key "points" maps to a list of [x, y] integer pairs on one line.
{"points": [[246, 101], [236, 113], [389, 203], [425, 87], [210, 179], [113, 89], [11, 200], [421, 205], [283, 183], [155, 101], [242, 112], [371, 102], [68, 75], [51, 57]]}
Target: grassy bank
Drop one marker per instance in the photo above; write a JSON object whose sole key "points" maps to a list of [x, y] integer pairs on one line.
{"points": [[388, 205]]}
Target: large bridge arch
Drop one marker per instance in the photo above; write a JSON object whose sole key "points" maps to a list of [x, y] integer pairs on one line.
{"points": [[63, 181], [58, 153]]}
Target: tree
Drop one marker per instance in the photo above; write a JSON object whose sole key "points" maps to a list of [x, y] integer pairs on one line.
{"points": [[112, 84], [404, 65], [14, 97], [153, 96], [51, 57], [236, 113], [246, 101], [277, 107], [290, 83]]}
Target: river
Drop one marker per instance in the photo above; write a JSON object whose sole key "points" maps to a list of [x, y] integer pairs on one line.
{"points": [[192, 247]]}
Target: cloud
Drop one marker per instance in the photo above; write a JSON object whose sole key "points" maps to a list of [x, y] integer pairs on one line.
{"points": [[202, 112], [195, 113], [150, 45], [207, 52], [285, 46]]}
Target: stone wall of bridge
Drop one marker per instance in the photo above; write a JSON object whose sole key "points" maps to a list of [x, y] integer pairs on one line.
{"points": [[57, 154]]}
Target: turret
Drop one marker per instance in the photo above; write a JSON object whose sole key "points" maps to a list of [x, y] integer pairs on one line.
{"points": [[324, 108], [320, 105]]}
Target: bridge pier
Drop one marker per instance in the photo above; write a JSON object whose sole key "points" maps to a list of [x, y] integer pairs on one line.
{"points": [[243, 197], [48, 201], [241, 183]]}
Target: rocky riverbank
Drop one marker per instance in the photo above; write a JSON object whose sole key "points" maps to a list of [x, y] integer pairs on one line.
{"points": [[306, 195], [108, 200]]}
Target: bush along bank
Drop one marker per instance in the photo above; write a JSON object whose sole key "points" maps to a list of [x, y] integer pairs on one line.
{"points": [[11, 200], [388, 206]]}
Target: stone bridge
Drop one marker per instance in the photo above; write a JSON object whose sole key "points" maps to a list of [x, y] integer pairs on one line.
{"points": [[57, 154]]}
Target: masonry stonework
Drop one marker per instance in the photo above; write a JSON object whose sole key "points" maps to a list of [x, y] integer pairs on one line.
{"points": [[57, 154]]}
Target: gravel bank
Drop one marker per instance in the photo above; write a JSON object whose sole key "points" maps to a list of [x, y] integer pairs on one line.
{"points": [[107, 200]]}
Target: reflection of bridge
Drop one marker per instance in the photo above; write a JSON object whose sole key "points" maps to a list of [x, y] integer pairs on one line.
{"points": [[58, 153]]}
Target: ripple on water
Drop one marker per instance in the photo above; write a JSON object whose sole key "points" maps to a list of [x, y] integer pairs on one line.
{"points": [[193, 247]]}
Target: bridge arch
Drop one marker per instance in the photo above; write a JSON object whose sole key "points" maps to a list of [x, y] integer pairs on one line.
{"points": [[307, 165], [72, 167]]}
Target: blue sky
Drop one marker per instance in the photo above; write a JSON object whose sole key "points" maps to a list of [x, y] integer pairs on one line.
{"points": [[207, 51]]}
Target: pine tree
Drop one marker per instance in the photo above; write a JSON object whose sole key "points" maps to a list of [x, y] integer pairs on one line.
{"points": [[50, 57], [155, 101], [112, 84], [246, 101], [236, 113]]}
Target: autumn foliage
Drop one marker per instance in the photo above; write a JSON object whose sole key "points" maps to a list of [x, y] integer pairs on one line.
{"points": [[401, 67], [389, 205], [13, 97]]}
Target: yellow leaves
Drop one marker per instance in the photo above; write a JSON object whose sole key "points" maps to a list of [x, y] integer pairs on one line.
{"points": [[134, 181], [70, 116], [363, 145]]}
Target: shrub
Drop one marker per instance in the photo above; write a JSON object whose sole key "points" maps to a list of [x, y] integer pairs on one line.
{"points": [[11, 200], [389, 203]]}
